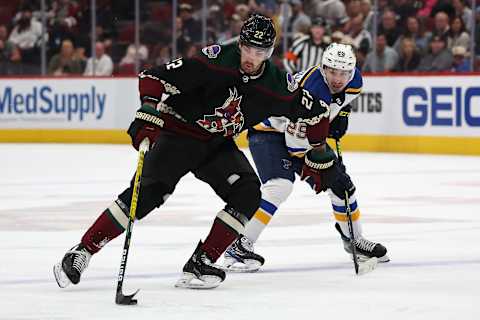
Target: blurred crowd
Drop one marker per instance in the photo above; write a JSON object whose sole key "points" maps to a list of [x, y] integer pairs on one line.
{"points": [[404, 35]]}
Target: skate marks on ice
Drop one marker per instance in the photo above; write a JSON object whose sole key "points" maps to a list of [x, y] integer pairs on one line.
{"points": [[294, 268]]}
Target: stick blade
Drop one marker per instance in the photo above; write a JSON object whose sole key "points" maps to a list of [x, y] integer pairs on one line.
{"points": [[126, 300], [367, 266]]}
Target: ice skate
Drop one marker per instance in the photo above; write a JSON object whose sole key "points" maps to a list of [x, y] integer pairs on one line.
{"points": [[240, 257], [200, 272], [70, 269], [365, 249]]}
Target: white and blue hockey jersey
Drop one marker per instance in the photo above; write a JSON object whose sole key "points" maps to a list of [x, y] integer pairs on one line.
{"points": [[314, 81]]}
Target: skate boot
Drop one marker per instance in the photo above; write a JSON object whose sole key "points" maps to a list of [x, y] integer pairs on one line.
{"points": [[240, 257], [365, 249], [200, 272], [70, 269]]}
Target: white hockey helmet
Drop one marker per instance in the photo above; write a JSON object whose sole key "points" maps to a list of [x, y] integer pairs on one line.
{"points": [[339, 56]]}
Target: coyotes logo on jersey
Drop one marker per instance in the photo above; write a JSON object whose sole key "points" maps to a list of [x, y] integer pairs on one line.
{"points": [[227, 119]]}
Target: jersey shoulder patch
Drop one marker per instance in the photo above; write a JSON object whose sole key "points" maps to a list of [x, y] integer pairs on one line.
{"points": [[292, 83], [212, 51]]}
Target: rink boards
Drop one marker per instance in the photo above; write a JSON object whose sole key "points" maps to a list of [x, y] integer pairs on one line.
{"points": [[408, 113]]}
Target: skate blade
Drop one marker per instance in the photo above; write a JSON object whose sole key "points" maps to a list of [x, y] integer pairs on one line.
{"points": [[384, 259], [190, 281], [367, 265], [249, 266], [362, 258], [60, 276]]}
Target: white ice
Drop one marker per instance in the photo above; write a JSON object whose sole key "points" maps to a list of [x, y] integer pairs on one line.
{"points": [[423, 208]]}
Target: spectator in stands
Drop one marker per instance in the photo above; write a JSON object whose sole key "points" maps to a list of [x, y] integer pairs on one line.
{"points": [[441, 24], [409, 56], [243, 11], [361, 37], [101, 64], [160, 54], [389, 27], [298, 22], [463, 11], [216, 20], [403, 9], [384, 59], [127, 63], [235, 25], [347, 40], [337, 36], [458, 36], [414, 30], [361, 58], [27, 37], [439, 57], [10, 59], [62, 22], [182, 38], [332, 11], [190, 51], [131, 52], [191, 28], [6, 46], [263, 6], [366, 10], [306, 51], [426, 10], [352, 8], [64, 62], [228, 8], [460, 63], [443, 6], [383, 5], [80, 56]]}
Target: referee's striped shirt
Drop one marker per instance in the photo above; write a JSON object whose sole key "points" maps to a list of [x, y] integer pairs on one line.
{"points": [[303, 54]]}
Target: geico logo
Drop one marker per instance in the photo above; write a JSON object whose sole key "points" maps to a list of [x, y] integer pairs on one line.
{"points": [[370, 102], [442, 106], [44, 100]]}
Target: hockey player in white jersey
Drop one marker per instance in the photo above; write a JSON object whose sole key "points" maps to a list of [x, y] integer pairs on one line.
{"points": [[281, 150]]}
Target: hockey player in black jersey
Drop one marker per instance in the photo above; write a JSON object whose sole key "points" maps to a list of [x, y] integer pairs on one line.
{"points": [[191, 109]]}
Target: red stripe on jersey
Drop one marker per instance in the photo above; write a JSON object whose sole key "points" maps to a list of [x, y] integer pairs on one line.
{"points": [[272, 94], [151, 88], [216, 67], [317, 134]]}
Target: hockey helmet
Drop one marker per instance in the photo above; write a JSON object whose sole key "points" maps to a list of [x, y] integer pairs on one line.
{"points": [[258, 32], [339, 56]]}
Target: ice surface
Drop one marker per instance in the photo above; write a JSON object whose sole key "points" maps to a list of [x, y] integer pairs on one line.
{"points": [[424, 208]]}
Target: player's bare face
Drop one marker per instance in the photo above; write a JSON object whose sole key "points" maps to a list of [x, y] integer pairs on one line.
{"points": [[337, 79], [251, 59]]}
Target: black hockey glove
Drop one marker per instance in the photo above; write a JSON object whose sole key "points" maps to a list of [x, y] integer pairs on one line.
{"points": [[339, 125], [327, 173], [144, 126]]}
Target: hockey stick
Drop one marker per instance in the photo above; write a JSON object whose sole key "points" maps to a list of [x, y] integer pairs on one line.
{"points": [[120, 298], [371, 263]]}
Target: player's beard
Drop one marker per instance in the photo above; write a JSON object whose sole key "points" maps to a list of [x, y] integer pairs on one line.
{"points": [[250, 68]]}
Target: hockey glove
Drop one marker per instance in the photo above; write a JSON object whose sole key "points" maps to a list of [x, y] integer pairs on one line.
{"points": [[339, 125], [144, 125], [327, 173]]}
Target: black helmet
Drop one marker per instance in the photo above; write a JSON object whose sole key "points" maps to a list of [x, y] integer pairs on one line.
{"points": [[258, 31]]}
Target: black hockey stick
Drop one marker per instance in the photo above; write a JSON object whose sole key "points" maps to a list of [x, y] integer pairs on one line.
{"points": [[120, 298], [349, 212]]}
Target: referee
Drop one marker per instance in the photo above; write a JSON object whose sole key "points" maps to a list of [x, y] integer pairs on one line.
{"points": [[306, 51]]}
